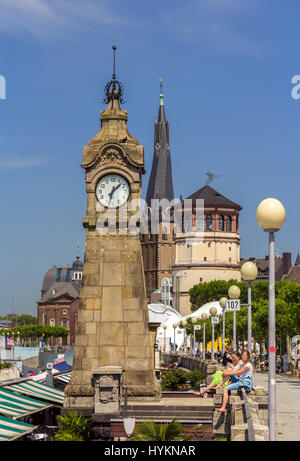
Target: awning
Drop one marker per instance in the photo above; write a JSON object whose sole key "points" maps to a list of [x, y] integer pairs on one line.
{"points": [[11, 429], [42, 391], [64, 378], [15, 405]]}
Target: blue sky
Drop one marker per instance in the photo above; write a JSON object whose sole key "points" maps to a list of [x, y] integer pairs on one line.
{"points": [[227, 67]]}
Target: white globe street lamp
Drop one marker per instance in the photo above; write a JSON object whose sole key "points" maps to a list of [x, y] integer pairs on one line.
{"points": [[222, 303], [234, 293], [174, 326], [204, 318], [213, 312], [270, 215], [184, 324], [249, 273], [194, 321], [165, 346]]}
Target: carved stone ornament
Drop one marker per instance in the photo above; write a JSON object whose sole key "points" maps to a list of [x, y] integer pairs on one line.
{"points": [[112, 157]]}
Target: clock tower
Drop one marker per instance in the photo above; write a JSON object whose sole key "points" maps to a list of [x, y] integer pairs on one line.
{"points": [[112, 327]]}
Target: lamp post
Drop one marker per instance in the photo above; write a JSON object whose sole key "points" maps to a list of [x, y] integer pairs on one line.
{"points": [[270, 215], [204, 317], [165, 346], [234, 293], [184, 324], [222, 303], [194, 321], [249, 273], [213, 312], [174, 326]]}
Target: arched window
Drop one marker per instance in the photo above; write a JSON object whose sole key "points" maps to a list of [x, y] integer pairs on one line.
{"points": [[188, 224], [208, 223], [52, 322], [166, 291], [228, 223], [221, 223], [164, 233]]}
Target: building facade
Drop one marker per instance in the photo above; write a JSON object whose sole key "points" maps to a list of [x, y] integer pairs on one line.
{"points": [[208, 246], [61, 286]]}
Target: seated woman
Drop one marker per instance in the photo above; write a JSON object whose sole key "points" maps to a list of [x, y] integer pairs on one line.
{"points": [[219, 379], [245, 374]]}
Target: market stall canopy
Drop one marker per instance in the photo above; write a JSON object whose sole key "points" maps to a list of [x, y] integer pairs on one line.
{"points": [[15, 405], [12, 430], [42, 391], [64, 378]]}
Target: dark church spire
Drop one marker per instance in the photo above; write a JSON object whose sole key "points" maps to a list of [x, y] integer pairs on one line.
{"points": [[160, 184]]}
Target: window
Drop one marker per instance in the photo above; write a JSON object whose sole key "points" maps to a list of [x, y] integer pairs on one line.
{"points": [[58, 274], [164, 233], [200, 223], [188, 224], [52, 322], [68, 275], [65, 311], [229, 248], [208, 245], [221, 223], [201, 279], [44, 319], [64, 323], [204, 258], [208, 223], [228, 223]]}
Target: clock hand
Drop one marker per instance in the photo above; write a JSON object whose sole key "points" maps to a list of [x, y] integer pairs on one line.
{"points": [[112, 192]]}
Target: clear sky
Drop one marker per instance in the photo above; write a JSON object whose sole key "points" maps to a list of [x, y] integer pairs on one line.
{"points": [[227, 67]]}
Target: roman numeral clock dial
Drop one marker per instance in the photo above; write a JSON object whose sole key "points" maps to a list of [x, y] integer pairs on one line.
{"points": [[112, 191]]}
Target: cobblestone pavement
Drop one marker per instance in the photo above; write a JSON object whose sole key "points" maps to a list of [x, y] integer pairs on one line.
{"points": [[287, 402]]}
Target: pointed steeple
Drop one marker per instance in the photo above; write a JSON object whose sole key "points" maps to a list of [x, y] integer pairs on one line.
{"points": [[297, 262], [160, 184]]}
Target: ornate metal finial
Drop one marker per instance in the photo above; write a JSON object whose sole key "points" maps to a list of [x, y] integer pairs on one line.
{"points": [[161, 92], [114, 88]]}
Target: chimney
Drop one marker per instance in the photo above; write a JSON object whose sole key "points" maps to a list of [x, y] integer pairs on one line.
{"points": [[287, 262]]}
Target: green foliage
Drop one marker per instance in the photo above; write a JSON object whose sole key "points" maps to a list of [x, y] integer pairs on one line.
{"points": [[174, 380], [195, 377], [35, 331], [65, 436], [151, 431], [23, 319], [5, 365], [73, 428], [287, 308]]}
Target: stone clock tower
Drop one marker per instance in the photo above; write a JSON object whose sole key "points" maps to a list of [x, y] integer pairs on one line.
{"points": [[112, 328]]}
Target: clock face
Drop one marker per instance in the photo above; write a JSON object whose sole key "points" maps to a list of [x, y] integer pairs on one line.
{"points": [[112, 191]]}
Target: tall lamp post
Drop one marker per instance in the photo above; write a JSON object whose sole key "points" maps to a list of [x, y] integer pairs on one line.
{"points": [[270, 215], [249, 273], [234, 293], [165, 345], [204, 317], [174, 326], [213, 312], [194, 321], [184, 324], [222, 303]]}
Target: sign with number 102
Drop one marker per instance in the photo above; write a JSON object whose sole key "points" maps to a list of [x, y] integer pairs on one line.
{"points": [[233, 305]]}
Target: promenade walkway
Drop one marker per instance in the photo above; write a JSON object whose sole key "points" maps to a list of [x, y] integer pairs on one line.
{"points": [[288, 405]]}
